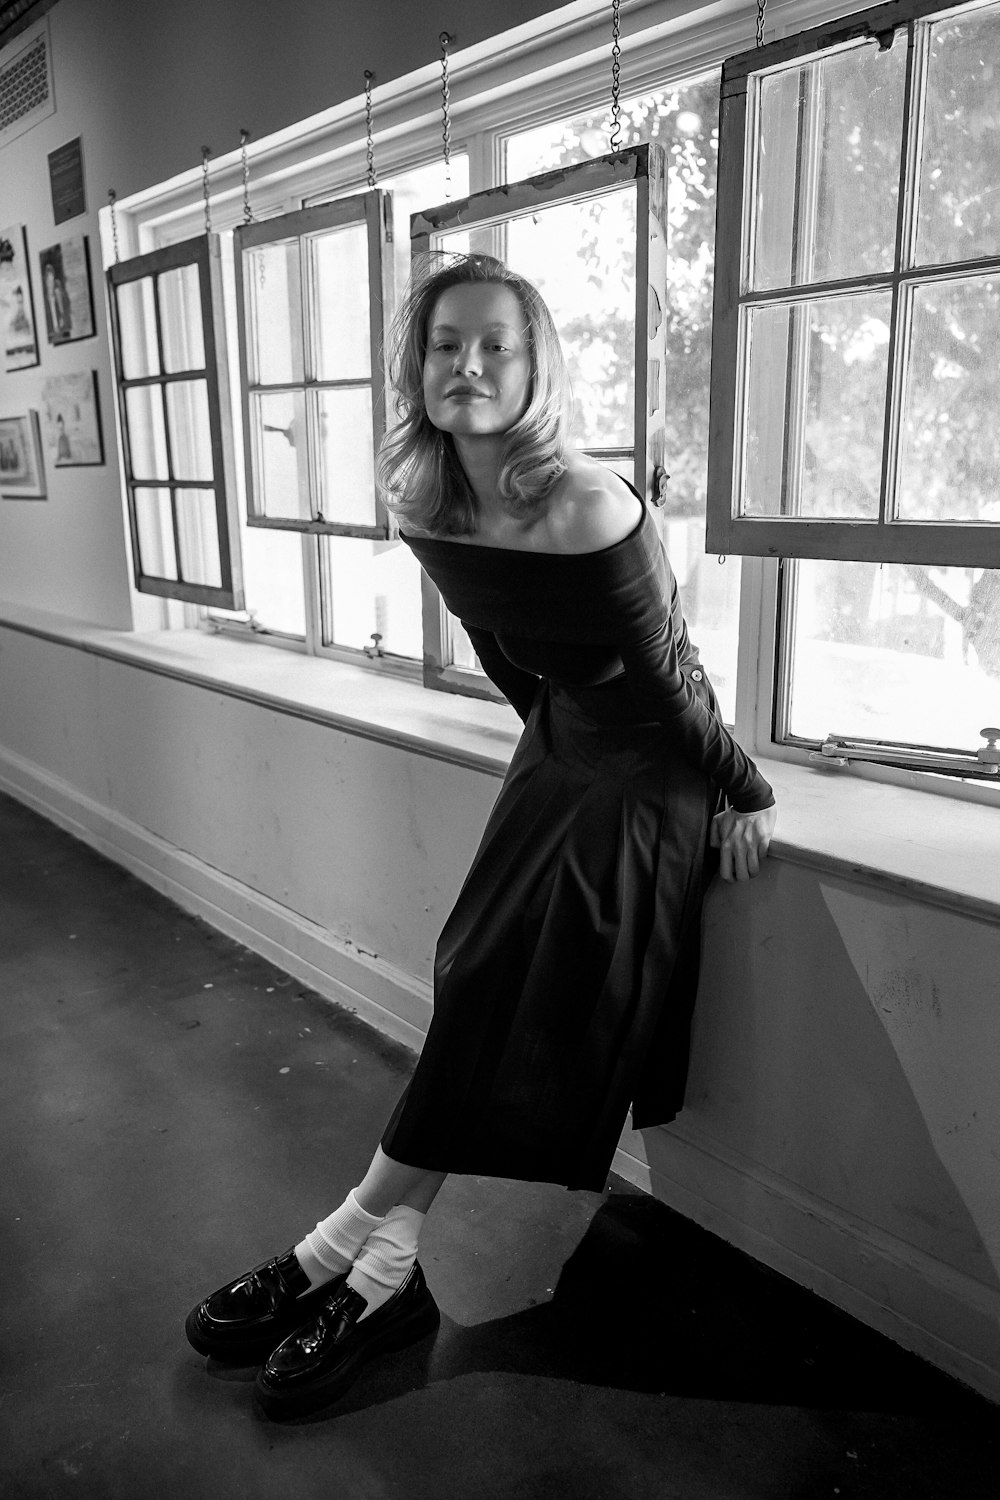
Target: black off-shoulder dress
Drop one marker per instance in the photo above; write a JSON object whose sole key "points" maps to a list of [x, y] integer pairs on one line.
{"points": [[565, 976]]}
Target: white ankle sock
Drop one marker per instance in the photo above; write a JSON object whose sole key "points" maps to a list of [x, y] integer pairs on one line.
{"points": [[384, 1260], [330, 1248]]}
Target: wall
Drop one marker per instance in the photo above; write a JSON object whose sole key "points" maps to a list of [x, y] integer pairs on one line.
{"points": [[843, 1112], [842, 1118]]}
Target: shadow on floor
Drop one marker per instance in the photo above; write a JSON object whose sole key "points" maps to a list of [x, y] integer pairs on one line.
{"points": [[650, 1303]]}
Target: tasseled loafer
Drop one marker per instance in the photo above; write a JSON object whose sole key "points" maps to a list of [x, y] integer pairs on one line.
{"points": [[243, 1321], [320, 1361]]}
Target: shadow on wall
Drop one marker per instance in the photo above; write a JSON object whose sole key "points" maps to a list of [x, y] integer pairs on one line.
{"points": [[853, 1063]]}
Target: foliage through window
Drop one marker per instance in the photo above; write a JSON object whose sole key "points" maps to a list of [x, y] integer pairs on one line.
{"points": [[683, 120], [857, 313]]}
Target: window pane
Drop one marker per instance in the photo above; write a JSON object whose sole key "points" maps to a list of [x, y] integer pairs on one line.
{"points": [[423, 187], [137, 328], [147, 434], [591, 296], [338, 263], [371, 588], [830, 133], [347, 465], [959, 206], [190, 431], [180, 315], [271, 285], [897, 652], [281, 458], [950, 465], [273, 587], [154, 522], [459, 651], [198, 536], [814, 430], [710, 596]]}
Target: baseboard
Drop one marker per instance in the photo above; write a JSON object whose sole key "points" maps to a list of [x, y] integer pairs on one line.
{"points": [[924, 1305], [395, 1003], [927, 1307]]}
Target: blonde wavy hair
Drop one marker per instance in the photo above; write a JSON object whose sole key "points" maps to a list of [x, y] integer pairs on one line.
{"points": [[418, 469]]}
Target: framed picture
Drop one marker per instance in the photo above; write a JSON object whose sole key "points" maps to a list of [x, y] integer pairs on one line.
{"points": [[66, 292], [71, 420], [17, 308], [21, 474]]}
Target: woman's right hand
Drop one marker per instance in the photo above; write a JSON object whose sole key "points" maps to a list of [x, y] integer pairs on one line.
{"points": [[742, 840]]}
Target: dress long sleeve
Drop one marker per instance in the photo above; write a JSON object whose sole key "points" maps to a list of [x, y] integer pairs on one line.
{"points": [[659, 686]]}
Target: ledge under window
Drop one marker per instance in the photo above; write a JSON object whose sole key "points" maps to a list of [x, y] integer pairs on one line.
{"points": [[935, 850]]}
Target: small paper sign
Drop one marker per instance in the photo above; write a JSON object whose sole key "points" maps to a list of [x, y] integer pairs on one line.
{"points": [[66, 181]]}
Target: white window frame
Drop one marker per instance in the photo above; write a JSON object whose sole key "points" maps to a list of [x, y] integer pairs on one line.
{"points": [[549, 69], [885, 538]]}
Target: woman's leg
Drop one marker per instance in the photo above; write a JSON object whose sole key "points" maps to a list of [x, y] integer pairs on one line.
{"points": [[333, 1246], [401, 1195], [389, 1183]]}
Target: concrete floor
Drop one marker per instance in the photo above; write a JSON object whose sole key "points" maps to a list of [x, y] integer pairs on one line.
{"points": [[173, 1108]]}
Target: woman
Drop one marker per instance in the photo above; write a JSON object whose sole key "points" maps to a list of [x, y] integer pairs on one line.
{"points": [[565, 974]]}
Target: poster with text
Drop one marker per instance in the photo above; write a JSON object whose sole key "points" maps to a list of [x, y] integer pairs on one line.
{"points": [[17, 313], [66, 295], [71, 420]]}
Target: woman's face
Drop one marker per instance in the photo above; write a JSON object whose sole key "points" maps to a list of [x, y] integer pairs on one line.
{"points": [[477, 367]]}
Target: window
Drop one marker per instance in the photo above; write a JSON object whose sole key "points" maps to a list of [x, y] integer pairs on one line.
{"points": [[310, 302], [840, 652], [857, 325], [174, 404], [614, 205], [335, 592], [683, 120], [857, 315]]}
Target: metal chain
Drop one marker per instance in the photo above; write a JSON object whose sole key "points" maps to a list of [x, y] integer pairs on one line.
{"points": [[761, 7], [206, 152], [446, 41], [247, 210], [113, 199], [372, 179], [616, 81]]}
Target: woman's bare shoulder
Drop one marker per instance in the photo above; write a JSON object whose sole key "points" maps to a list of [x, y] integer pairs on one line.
{"points": [[590, 508]]}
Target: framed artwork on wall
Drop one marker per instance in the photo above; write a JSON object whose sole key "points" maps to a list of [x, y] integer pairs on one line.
{"points": [[66, 290], [22, 476], [17, 308], [71, 420]]}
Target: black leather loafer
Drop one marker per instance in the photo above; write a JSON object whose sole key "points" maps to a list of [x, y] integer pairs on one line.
{"points": [[320, 1360], [243, 1321]]}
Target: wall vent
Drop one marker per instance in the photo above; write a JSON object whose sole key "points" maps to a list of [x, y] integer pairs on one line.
{"points": [[26, 94]]}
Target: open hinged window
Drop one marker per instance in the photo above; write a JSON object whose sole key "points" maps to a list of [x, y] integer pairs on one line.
{"points": [[857, 292], [169, 349], [592, 238], [312, 293]]}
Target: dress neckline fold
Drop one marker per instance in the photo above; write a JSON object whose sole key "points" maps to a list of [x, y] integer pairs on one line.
{"points": [[442, 541]]}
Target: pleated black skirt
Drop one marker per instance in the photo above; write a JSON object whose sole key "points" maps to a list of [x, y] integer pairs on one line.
{"points": [[565, 976]]}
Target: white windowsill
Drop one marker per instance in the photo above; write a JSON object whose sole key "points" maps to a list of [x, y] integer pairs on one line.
{"points": [[934, 849]]}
